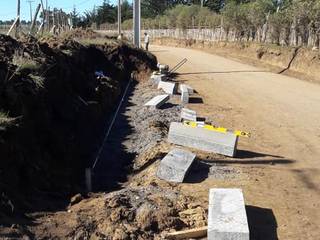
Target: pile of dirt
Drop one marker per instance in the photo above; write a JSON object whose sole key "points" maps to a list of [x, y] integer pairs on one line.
{"points": [[75, 34], [131, 213], [294, 61], [53, 110]]}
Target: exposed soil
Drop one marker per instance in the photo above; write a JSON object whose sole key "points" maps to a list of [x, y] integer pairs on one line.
{"points": [[277, 168], [144, 208], [297, 62], [54, 111]]}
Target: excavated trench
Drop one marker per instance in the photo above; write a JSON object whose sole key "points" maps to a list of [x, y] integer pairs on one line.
{"points": [[54, 112]]}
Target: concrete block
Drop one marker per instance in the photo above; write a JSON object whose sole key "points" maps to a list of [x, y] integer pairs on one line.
{"points": [[168, 87], [227, 218], [189, 88], [203, 139], [156, 78], [184, 94], [175, 166], [201, 124], [189, 115], [158, 101]]}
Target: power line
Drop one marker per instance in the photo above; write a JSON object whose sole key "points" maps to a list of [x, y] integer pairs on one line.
{"points": [[76, 4]]}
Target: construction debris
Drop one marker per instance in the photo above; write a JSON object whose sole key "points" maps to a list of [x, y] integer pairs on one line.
{"points": [[189, 115], [227, 217], [158, 101], [203, 139], [188, 234], [175, 166]]}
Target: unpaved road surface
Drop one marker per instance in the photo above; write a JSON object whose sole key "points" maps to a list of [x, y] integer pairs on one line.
{"points": [[279, 164]]}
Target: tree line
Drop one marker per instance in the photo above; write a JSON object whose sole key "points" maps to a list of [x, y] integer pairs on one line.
{"points": [[281, 21]]}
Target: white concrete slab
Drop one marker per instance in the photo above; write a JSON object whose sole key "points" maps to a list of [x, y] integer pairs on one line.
{"points": [[227, 218], [184, 94], [158, 101], [189, 88], [175, 165], [203, 139], [167, 87], [156, 78], [188, 115]]}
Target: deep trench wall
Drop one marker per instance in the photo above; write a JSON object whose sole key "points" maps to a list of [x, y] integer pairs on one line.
{"points": [[305, 64], [57, 126]]}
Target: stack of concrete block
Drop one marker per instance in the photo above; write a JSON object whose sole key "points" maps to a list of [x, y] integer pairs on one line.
{"points": [[227, 218], [188, 115], [158, 101], [189, 88], [156, 78], [184, 94], [168, 87], [203, 139], [175, 165]]}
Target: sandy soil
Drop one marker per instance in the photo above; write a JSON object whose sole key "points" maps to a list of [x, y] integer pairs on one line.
{"points": [[278, 167]]}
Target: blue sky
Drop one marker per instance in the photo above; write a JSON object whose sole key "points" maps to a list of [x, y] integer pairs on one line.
{"points": [[8, 7]]}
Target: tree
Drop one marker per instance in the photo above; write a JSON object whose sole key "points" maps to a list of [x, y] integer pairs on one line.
{"points": [[106, 13], [215, 5], [75, 18]]}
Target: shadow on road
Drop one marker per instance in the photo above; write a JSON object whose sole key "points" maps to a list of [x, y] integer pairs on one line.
{"points": [[253, 162], [195, 100], [262, 223], [198, 172], [249, 154]]}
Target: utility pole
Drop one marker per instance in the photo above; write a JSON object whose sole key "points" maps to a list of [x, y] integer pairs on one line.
{"points": [[136, 23], [47, 16], [18, 18], [30, 4], [119, 17], [43, 17], [16, 23], [34, 19]]}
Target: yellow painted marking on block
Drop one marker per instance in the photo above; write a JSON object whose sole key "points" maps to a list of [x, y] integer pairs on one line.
{"points": [[218, 129]]}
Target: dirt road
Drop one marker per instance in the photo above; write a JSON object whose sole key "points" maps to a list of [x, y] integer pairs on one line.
{"points": [[279, 164]]}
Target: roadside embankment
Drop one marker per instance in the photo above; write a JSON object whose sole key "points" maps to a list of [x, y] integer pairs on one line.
{"points": [[297, 62], [53, 111]]}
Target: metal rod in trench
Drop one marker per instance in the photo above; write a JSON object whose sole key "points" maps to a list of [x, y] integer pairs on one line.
{"points": [[89, 170]]}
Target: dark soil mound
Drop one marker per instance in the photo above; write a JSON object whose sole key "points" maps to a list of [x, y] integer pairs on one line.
{"points": [[52, 114]]}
